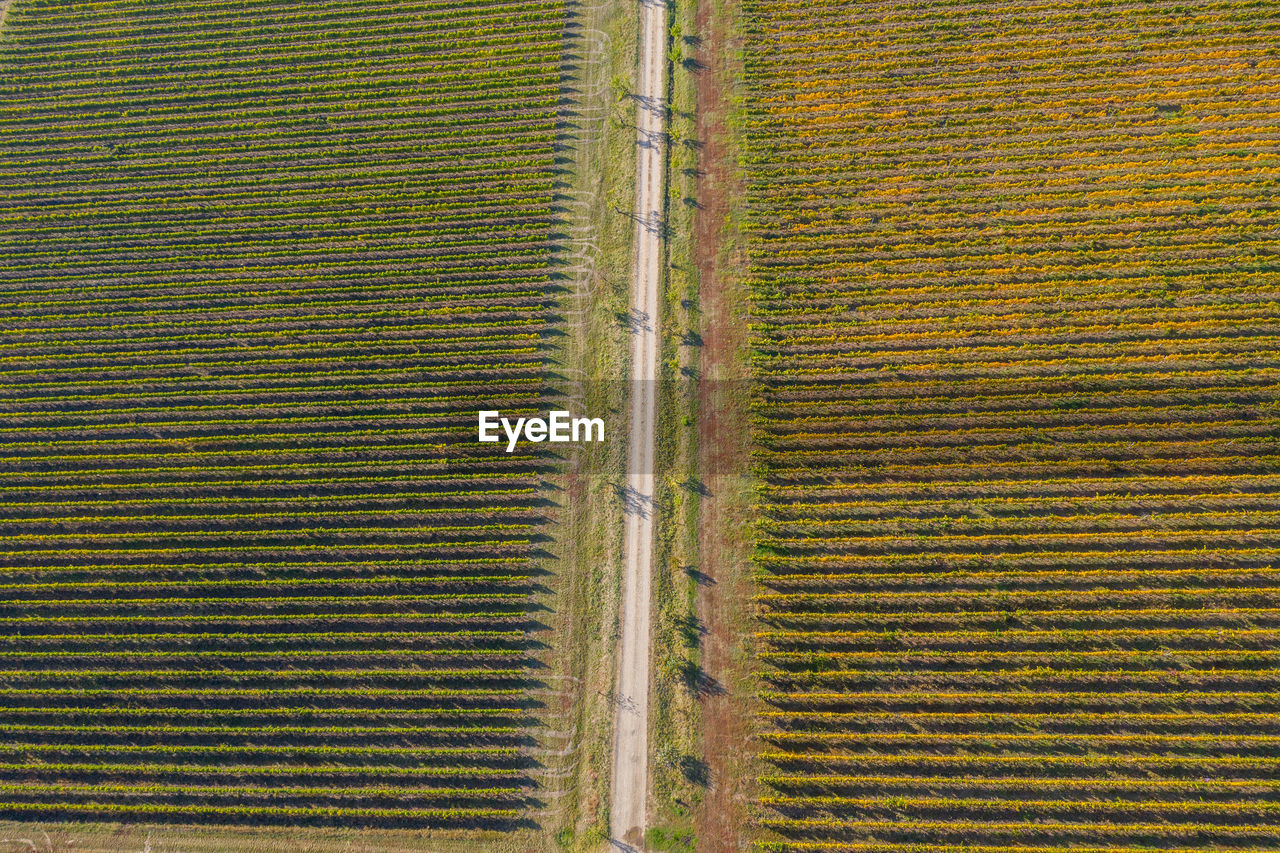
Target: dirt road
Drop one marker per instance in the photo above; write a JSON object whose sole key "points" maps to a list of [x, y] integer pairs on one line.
{"points": [[631, 712]]}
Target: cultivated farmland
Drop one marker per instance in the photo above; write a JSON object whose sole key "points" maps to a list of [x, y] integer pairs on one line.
{"points": [[258, 263], [1015, 330]]}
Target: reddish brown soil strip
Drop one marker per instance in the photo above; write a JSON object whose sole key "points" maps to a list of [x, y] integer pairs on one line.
{"points": [[722, 448]]}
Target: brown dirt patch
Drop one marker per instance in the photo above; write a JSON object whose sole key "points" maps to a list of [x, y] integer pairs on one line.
{"points": [[722, 449]]}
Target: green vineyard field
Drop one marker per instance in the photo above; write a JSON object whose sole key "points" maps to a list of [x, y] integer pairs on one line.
{"points": [[1015, 307], [258, 263]]}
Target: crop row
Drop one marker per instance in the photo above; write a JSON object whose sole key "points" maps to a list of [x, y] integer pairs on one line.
{"points": [[259, 263], [1014, 421]]}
